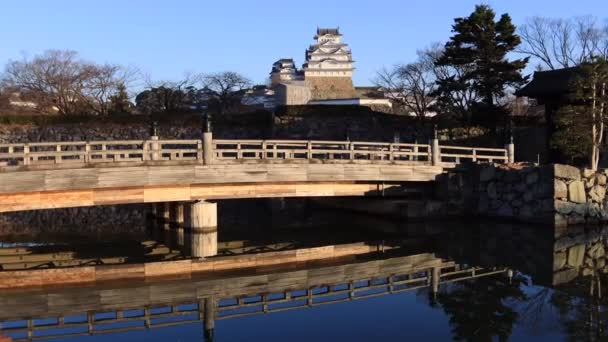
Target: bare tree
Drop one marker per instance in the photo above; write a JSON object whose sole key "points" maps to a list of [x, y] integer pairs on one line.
{"points": [[225, 87], [410, 85], [563, 43], [103, 83], [59, 79], [54, 78]]}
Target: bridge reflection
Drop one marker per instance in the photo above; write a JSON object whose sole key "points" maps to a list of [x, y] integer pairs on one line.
{"points": [[118, 307]]}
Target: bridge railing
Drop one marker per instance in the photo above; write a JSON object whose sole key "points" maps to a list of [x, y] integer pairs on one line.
{"points": [[308, 149], [458, 154], [99, 151], [223, 150]]}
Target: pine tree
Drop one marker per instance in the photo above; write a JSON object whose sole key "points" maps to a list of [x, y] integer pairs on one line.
{"points": [[120, 102], [479, 48]]}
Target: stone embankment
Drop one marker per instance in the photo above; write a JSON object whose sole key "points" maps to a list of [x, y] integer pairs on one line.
{"points": [[554, 194], [120, 219], [580, 253]]}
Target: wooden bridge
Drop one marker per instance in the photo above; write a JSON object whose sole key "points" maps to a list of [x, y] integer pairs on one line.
{"points": [[182, 176], [112, 308], [69, 174]]}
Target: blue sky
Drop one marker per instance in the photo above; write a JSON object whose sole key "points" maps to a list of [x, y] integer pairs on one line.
{"points": [[167, 38]]}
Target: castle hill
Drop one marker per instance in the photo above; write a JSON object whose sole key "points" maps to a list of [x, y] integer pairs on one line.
{"points": [[195, 171]]}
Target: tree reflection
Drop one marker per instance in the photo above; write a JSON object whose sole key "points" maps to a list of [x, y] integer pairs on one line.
{"points": [[582, 309], [478, 309]]}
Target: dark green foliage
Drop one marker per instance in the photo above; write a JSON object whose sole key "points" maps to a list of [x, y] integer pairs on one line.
{"points": [[160, 100], [587, 103], [478, 310], [120, 102], [571, 137], [478, 52]]}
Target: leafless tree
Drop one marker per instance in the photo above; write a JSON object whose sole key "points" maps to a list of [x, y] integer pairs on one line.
{"points": [[410, 85], [55, 78], [60, 79], [562, 43], [225, 87], [103, 83]]}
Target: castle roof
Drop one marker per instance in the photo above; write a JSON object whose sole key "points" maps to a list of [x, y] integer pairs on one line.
{"points": [[332, 31]]}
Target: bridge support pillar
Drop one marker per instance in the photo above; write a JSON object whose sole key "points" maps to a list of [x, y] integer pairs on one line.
{"points": [[435, 278], [209, 305], [201, 221], [177, 223], [207, 148], [435, 152], [510, 148]]}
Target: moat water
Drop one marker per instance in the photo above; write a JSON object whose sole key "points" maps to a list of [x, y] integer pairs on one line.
{"points": [[510, 283]]}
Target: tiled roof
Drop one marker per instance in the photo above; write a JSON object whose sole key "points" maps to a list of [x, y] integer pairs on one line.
{"points": [[549, 83]]}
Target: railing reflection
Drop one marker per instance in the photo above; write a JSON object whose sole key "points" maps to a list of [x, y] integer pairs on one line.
{"points": [[400, 276]]}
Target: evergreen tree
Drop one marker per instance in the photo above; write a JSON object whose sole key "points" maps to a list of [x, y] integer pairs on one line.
{"points": [[479, 49], [120, 102], [580, 125]]}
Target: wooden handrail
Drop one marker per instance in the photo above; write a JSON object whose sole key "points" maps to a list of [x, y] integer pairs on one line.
{"points": [[224, 150]]}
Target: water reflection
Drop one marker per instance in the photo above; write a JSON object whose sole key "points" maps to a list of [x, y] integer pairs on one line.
{"points": [[473, 281]]}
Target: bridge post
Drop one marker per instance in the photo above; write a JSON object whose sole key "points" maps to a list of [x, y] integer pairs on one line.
{"points": [[207, 148], [510, 148], [201, 221], [177, 223], [209, 305], [435, 278], [435, 151], [154, 148]]}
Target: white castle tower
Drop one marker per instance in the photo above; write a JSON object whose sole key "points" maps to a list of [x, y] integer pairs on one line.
{"points": [[325, 77], [328, 57]]}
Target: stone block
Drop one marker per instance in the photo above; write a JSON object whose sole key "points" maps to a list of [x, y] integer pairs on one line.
{"points": [[576, 192], [560, 189], [505, 210], [594, 211], [597, 250], [492, 193], [559, 260], [597, 193], [576, 255], [564, 243], [564, 207], [532, 178], [529, 196], [487, 173], [565, 276], [566, 172], [575, 219], [581, 209], [589, 183], [587, 173]]}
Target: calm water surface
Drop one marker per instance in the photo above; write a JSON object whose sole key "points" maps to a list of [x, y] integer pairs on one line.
{"points": [[539, 287]]}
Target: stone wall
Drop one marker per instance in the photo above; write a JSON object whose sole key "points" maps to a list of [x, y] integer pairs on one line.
{"points": [[580, 252], [121, 219], [554, 194], [324, 88]]}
